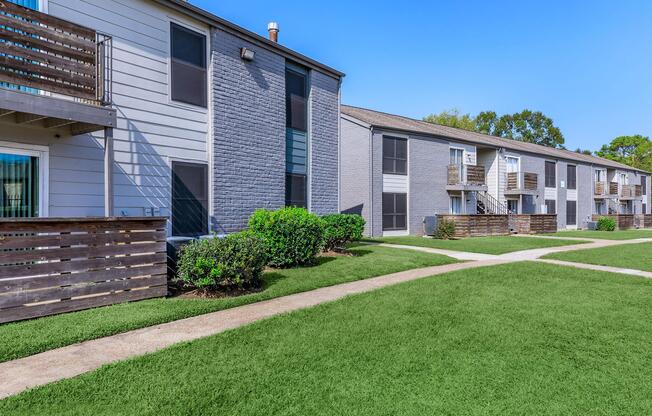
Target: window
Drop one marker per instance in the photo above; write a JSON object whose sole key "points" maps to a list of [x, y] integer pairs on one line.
{"points": [[512, 206], [644, 208], [189, 199], [571, 176], [551, 175], [644, 185], [551, 206], [599, 208], [600, 175], [456, 205], [457, 156], [188, 66], [19, 185], [512, 164], [394, 156], [296, 137], [571, 213], [394, 212], [623, 179]]}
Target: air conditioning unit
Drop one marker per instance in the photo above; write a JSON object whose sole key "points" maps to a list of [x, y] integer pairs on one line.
{"points": [[430, 225]]}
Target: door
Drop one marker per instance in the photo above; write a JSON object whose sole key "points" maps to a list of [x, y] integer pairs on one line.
{"points": [[512, 206], [571, 214], [512, 164], [21, 184], [189, 199], [457, 156]]}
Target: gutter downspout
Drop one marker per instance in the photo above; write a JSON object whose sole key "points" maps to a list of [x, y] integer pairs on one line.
{"points": [[371, 180], [108, 172]]}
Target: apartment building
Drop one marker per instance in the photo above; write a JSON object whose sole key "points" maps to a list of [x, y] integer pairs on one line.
{"points": [[395, 171], [159, 108]]}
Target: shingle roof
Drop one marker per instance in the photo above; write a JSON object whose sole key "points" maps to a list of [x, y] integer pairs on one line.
{"points": [[395, 122]]}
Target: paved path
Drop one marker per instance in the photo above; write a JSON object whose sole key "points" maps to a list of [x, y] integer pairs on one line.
{"points": [[50, 366], [73, 360], [640, 273]]}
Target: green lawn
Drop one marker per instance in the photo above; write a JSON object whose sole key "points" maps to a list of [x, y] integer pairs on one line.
{"points": [[631, 256], [487, 245], [29, 337], [517, 339], [606, 235]]}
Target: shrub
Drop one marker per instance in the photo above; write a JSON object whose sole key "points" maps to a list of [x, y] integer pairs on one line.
{"points": [[292, 236], [340, 229], [606, 224], [236, 261], [445, 229]]}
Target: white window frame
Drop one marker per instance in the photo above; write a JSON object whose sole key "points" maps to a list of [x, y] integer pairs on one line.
{"points": [[456, 149], [43, 153], [507, 164], [451, 205]]}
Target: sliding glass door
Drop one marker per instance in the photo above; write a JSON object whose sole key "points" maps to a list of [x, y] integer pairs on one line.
{"points": [[20, 185]]}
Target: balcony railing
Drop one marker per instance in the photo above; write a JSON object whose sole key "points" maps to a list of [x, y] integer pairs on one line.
{"points": [[631, 191], [466, 175], [526, 181], [44, 53], [613, 188]]}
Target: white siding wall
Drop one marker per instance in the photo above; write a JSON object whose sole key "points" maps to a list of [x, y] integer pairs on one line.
{"points": [[151, 130], [489, 159]]}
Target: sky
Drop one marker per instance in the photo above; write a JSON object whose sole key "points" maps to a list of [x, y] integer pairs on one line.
{"points": [[586, 64]]}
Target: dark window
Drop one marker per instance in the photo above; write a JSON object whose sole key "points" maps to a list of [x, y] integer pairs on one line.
{"points": [[644, 185], [394, 156], [571, 176], [188, 60], [296, 100], [394, 212], [189, 199], [551, 206], [571, 212], [551, 175], [296, 191], [644, 208]]}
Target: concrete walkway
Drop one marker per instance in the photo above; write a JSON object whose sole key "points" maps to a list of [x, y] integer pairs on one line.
{"points": [[640, 273], [50, 366]]}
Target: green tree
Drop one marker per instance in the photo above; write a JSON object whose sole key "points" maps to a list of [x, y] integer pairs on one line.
{"points": [[583, 152], [634, 151], [527, 126]]}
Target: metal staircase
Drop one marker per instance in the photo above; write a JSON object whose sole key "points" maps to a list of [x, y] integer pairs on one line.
{"points": [[487, 204]]}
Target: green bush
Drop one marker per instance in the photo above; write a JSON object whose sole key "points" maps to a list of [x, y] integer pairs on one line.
{"points": [[445, 229], [340, 229], [606, 224], [292, 236], [236, 261]]}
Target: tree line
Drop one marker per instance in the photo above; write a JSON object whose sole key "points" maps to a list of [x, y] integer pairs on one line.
{"points": [[535, 127]]}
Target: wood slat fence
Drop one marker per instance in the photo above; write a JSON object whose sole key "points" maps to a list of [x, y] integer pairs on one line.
{"points": [[43, 52], [478, 225], [623, 221], [55, 265], [534, 223]]}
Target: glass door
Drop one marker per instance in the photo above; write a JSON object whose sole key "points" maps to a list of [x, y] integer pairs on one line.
{"points": [[457, 157], [20, 185]]}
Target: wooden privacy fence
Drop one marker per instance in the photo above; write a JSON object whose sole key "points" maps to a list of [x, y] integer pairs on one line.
{"points": [[643, 220], [478, 225], [623, 221], [56, 265], [43, 52], [534, 223]]}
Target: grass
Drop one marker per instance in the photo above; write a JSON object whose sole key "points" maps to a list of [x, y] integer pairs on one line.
{"points": [[523, 338], [486, 245], [630, 256], [606, 235], [21, 339]]}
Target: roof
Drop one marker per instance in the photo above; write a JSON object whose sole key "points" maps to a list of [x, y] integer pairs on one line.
{"points": [[185, 7], [406, 124]]}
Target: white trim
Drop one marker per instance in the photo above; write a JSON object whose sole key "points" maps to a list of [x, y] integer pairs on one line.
{"points": [[43, 6], [43, 153], [202, 31], [397, 233]]}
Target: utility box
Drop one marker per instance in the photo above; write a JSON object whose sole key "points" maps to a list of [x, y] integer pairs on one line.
{"points": [[430, 225], [592, 225]]}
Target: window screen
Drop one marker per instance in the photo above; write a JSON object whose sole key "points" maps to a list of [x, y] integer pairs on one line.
{"points": [[644, 185], [551, 206], [394, 211], [394, 156], [551, 175], [296, 100], [296, 191], [188, 61], [571, 212], [571, 176], [189, 199]]}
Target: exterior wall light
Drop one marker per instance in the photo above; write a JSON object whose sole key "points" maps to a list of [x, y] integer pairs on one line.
{"points": [[247, 54]]}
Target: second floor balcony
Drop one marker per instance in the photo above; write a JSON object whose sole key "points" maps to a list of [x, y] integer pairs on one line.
{"points": [[53, 73], [466, 177], [608, 190], [631, 192], [521, 183]]}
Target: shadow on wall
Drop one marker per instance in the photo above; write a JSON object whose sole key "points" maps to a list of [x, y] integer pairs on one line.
{"points": [[357, 210]]}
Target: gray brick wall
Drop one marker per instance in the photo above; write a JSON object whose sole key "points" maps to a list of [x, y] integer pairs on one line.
{"points": [[585, 200], [249, 132], [377, 183], [355, 168], [324, 143]]}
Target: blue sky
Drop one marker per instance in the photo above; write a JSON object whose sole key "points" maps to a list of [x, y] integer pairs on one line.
{"points": [[588, 64]]}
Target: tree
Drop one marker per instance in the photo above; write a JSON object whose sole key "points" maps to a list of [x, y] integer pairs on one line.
{"points": [[452, 118], [583, 152], [635, 151], [526, 126]]}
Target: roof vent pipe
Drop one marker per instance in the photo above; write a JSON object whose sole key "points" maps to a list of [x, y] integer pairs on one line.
{"points": [[272, 27]]}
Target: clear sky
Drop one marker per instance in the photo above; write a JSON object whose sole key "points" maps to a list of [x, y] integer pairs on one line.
{"points": [[587, 64]]}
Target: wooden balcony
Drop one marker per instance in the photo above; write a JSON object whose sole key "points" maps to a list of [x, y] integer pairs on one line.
{"points": [[631, 192], [613, 188], [522, 183], [466, 177], [54, 73]]}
